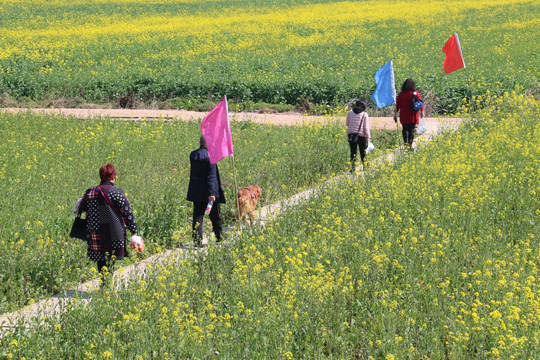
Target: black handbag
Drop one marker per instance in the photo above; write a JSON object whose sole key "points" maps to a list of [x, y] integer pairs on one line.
{"points": [[78, 229], [354, 138]]}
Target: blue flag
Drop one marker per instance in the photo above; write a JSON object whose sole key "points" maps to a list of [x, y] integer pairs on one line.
{"points": [[385, 93]]}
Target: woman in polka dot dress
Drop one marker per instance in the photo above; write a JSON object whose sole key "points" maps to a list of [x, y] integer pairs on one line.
{"points": [[108, 215]]}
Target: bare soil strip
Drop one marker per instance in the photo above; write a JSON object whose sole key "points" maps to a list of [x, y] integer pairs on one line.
{"points": [[282, 119]]}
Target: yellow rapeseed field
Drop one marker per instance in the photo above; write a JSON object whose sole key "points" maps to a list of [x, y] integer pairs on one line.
{"points": [[261, 51]]}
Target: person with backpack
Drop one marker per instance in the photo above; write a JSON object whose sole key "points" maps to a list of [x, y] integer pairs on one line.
{"points": [[410, 108], [358, 133]]}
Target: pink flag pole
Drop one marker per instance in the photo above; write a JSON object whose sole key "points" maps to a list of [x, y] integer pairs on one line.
{"points": [[216, 130], [234, 172]]}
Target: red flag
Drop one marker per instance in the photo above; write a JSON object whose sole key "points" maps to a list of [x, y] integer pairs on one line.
{"points": [[454, 57], [217, 132]]}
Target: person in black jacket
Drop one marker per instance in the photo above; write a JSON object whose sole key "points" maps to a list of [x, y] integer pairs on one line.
{"points": [[204, 186]]}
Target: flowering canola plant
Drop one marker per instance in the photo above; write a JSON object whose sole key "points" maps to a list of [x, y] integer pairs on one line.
{"points": [[47, 162], [433, 256], [271, 51]]}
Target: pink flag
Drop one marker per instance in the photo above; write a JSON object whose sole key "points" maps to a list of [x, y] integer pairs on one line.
{"points": [[454, 57], [217, 132]]}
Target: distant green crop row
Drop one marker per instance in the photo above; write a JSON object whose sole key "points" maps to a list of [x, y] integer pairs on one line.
{"points": [[326, 52], [435, 256]]}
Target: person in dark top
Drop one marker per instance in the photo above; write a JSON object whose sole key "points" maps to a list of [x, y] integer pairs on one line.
{"points": [[108, 214], [408, 118], [204, 186]]}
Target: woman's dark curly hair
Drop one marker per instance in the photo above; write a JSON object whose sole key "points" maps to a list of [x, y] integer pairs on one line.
{"points": [[408, 85], [359, 106]]}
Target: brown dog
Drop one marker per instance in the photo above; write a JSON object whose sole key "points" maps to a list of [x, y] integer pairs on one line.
{"points": [[247, 200]]}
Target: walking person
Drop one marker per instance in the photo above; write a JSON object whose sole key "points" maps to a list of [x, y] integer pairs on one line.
{"points": [[408, 118], [108, 215], [204, 186], [358, 132]]}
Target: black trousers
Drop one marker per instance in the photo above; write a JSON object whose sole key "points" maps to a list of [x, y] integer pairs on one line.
{"points": [[362, 145], [408, 133], [105, 275], [109, 264], [198, 217]]}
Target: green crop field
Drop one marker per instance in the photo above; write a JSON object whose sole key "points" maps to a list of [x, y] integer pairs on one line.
{"points": [[432, 256], [48, 162], [435, 256], [182, 53]]}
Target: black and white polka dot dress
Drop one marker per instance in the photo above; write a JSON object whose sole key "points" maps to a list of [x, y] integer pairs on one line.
{"points": [[106, 225]]}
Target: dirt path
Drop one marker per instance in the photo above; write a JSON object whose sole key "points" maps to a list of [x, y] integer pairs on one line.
{"points": [[284, 119]]}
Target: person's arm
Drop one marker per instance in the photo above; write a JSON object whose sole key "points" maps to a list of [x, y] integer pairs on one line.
{"points": [[368, 131], [123, 206], [422, 112], [83, 204], [212, 182], [422, 109]]}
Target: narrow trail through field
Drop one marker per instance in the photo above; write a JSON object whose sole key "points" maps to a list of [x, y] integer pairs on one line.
{"points": [[284, 119], [54, 306]]}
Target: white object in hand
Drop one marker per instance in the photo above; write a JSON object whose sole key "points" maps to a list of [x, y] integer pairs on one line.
{"points": [[209, 207], [421, 128], [137, 243]]}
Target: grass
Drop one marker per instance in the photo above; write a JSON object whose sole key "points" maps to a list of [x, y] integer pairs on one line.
{"points": [[48, 162], [435, 256]]}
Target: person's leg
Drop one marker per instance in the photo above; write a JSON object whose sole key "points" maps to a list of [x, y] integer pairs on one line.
{"points": [[411, 134], [408, 134], [353, 145], [405, 134], [197, 225], [217, 222], [105, 270], [362, 145], [101, 266]]}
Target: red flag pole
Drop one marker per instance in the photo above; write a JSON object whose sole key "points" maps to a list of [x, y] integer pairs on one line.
{"points": [[468, 75], [454, 60], [460, 52]]}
